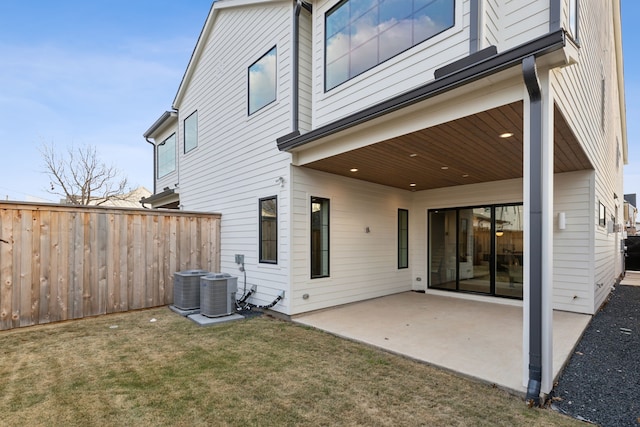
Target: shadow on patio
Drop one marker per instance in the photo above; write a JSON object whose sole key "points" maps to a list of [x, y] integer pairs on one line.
{"points": [[482, 340]]}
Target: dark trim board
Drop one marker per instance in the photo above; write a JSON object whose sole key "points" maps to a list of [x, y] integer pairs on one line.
{"points": [[483, 68]]}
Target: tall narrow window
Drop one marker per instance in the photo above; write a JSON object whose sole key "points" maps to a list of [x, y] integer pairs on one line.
{"points": [[262, 81], [319, 237], [573, 18], [403, 238], [362, 34], [166, 153], [191, 132], [269, 230]]}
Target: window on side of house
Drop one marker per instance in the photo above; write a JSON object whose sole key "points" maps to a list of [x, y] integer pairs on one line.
{"points": [[319, 237], [166, 156], [262, 81], [191, 132], [269, 230], [602, 215], [362, 34], [573, 18], [403, 238]]}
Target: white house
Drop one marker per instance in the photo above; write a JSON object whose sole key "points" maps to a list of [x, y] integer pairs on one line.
{"points": [[360, 148]]}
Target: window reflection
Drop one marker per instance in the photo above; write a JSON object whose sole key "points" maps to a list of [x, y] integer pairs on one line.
{"points": [[262, 81], [360, 34]]}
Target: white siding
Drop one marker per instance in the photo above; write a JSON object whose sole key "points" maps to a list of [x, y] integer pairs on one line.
{"points": [[578, 93], [362, 265], [236, 161], [521, 21], [573, 251]]}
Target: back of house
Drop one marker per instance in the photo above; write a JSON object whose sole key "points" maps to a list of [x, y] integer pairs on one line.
{"points": [[360, 148]]}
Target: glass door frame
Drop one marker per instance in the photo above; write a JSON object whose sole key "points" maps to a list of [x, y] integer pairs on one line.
{"points": [[493, 248]]}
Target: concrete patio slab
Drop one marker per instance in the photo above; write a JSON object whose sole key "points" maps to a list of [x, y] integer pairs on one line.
{"points": [[482, 340], [631, 278]]}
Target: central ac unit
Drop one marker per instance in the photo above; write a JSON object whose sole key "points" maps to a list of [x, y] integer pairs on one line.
{"points": [[186, 289], [218, 294]]}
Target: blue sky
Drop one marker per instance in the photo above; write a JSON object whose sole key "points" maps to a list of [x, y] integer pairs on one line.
{"points": [[101, 72]]}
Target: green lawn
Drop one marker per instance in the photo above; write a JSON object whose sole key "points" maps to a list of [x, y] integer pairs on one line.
{"points": [[125, 369]]}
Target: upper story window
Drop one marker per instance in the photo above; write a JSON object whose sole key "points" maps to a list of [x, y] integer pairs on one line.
{"points": [[166, 156], [262, 81], [191, 132], [360, 34], [573, 18]]}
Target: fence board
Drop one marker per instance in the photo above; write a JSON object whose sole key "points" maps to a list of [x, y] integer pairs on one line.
{"points": [[64, 262]]}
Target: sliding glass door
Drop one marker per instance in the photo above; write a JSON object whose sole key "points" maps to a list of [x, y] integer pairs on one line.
{"points": [[477, 249]]}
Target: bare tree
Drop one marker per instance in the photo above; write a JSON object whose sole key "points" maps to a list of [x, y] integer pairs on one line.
{"points": [[80, 178]]}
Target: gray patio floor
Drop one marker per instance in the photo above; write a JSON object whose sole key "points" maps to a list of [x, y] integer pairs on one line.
{"points": [[482, 340]]}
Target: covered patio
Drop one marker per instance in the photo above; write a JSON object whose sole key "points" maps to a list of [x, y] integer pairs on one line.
{"points": [[479, 339]]}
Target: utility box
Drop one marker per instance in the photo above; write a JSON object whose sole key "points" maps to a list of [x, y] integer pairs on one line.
{"points": [[218, 294], [186, 289]]}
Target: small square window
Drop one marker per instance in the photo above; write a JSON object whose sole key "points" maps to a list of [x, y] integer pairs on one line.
{"points": [[262, 81]]}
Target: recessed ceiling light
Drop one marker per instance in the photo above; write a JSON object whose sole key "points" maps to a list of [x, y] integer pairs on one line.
{"points": [[444, 168], [413, 184], [466, 175], [506, 135], [413, 155], [354, 169]]}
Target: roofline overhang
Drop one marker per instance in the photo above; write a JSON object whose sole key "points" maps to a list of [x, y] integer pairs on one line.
{"points": [[204, 35], [466, 73], [165, 194], [617, 29], [160, 123]]}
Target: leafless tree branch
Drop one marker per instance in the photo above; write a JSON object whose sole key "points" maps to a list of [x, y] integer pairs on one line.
{"points": [[80, 178]]}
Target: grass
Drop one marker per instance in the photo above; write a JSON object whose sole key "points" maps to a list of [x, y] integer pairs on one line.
{"points": [[124, 369]]}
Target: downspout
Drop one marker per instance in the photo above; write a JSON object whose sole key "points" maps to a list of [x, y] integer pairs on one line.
{"points": [[295, 107], [154, 164], [535, 230], [295, 62]]}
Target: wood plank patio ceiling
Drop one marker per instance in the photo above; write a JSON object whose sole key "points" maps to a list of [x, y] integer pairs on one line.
{"points": [[464, 151]]}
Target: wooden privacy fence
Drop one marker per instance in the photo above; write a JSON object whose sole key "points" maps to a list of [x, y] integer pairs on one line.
{"points": [[68, 262]]}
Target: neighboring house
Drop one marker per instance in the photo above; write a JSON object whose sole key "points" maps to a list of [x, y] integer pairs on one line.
{"points": [[131, 199], [356, 149]]}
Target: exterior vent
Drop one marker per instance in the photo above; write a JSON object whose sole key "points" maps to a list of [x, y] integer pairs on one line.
{"points": [[218, 294], [186, 289]]}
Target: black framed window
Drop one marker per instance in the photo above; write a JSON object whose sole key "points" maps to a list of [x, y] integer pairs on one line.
{"points": [[191, 132], [602, 215], [403, 238], [166, 156], [269, 230], [360, 34], [573, 18], [262, 81], [319, 237]]}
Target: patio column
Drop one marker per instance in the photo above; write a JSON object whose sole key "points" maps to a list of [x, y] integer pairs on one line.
{"points": [[538, 231]]}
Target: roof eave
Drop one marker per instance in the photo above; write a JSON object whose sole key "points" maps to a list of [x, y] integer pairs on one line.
{"points": [[160, 123], [469, 73]]}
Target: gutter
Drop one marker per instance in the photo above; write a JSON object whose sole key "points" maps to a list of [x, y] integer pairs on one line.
{"points": [[456, 78], [155, 166], [535, 244]]}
